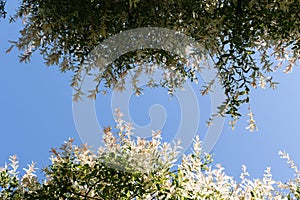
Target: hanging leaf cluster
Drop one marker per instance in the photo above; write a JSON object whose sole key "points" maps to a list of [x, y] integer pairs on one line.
{"points": [[244, 39], [2, 9]]}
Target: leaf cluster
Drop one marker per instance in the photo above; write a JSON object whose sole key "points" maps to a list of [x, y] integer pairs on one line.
{"points": [[135, 168], [245, 39], [77, 173], [2, 9]]}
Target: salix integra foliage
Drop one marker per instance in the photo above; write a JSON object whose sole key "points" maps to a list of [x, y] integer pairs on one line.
{"points": [[245, 39], [134, 168]]}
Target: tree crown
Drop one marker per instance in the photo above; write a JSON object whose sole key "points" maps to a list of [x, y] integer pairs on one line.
{"points": [[245, 40]]}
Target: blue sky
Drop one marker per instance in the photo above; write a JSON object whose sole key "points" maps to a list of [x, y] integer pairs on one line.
{"points": [[36, 115]]}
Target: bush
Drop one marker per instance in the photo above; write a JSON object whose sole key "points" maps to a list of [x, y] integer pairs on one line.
{"points": [[135, 168]]}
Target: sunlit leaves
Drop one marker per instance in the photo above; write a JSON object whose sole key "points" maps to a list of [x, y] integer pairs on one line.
{"points": [[135, 168], [244, 39]]}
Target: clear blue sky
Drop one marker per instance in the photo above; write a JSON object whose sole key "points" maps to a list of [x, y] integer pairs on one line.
{"points": [[36, 115]]}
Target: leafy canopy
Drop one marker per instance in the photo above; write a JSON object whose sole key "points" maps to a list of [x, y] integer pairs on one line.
{"points": [[130, 168], [245, 39]]}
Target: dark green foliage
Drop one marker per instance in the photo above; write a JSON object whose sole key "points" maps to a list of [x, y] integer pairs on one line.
{"points": [[2, 9], [234, 33]]}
